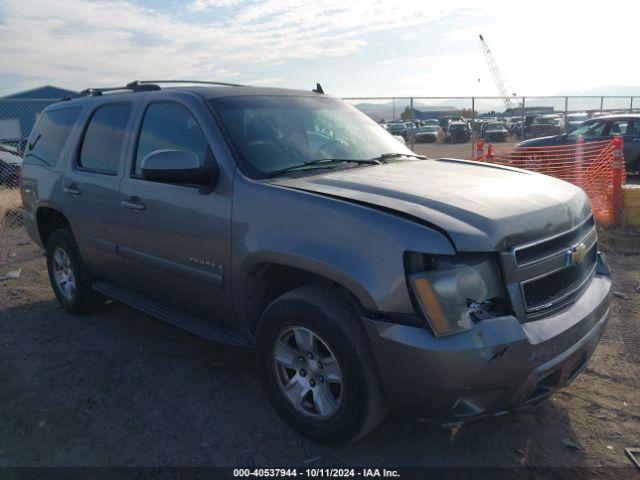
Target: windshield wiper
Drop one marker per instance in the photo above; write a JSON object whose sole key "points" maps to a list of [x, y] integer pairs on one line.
{"points": [[386, 156], [321, 162]]}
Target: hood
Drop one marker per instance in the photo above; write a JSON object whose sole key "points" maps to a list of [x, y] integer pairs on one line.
{"points": [[479, 206], [539, 142]]}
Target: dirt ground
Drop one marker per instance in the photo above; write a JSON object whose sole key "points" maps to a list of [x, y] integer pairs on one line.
{"points": [[120, 388]]}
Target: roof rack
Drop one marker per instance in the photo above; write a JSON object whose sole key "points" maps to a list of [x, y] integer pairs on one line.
{"points": [[133, 87], [148, 85], [202, 82]]}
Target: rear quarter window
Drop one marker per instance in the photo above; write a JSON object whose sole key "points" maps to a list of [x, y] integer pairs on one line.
{"points": [[50, 134]]}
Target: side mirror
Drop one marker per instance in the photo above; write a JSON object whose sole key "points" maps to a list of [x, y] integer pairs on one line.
{"points": [[177, 166]]}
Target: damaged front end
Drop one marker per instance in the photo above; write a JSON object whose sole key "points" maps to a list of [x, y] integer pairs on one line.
{"points": [[454, 293], [474, 356]]}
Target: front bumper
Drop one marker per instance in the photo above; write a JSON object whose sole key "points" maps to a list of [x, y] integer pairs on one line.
{"points": [[497, 366], [426, 138]]}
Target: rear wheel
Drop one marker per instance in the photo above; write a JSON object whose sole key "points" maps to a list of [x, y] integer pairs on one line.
{"points": [[317, 367], [69, 275]]}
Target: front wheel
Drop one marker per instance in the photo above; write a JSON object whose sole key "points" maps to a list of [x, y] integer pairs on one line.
{"points": [[317, 366]]}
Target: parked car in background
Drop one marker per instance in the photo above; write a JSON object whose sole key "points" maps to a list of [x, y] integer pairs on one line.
{"points": [[447, 120], [367, 278], [412, 128], [574, 120], [427, 134], [458, 132], [397, 128], [10, 164], [495, 132], [598, 129], [536, 126], [431, 121]]}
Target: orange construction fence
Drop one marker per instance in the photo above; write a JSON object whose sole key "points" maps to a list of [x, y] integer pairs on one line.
{"points": [[596, 167]]}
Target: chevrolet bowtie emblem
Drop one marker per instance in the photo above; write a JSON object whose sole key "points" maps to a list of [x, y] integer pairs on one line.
{"points": [[576, 254]]}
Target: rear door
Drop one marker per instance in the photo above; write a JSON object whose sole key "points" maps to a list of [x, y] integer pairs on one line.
{"points": [[91, 184], [175, 238]]}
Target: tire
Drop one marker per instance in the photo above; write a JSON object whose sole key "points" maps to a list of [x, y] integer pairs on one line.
{"points": [[358, 403], [81, 299]]}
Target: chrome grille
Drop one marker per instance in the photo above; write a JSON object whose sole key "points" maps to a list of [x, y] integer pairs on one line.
{"points": [[556, 286], [545, 275], [553, 245]]}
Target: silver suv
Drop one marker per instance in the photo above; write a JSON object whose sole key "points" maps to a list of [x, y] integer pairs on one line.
{"points": [[368, 279]]}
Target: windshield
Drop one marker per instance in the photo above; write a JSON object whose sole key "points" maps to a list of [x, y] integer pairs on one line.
{"points": [[396, 126], [457, 126], [427, 129], [272, 133], [577, 118]]}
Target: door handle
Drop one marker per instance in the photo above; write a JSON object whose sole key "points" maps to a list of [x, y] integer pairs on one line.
{"points": [[72, 190], [134, 204]]}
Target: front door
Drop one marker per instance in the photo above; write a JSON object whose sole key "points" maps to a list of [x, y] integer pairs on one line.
{"points": [[174, 238]]}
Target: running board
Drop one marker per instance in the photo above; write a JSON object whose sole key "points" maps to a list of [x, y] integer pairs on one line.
{"points": [[193, 324]]}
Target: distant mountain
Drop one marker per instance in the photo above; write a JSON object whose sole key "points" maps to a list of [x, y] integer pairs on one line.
{"points": [[385, 110], [605, 91]]}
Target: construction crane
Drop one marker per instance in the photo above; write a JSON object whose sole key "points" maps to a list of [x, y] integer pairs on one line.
{"points": [[496, 74]]}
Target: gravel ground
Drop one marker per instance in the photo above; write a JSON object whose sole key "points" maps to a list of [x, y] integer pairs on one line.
{"points": [[120, 388]]}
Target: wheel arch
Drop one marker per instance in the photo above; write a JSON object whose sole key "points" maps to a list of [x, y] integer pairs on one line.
{"points": [[267, 279], [49, 220]]}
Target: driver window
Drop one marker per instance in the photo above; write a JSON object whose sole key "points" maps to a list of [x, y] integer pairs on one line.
{"points": [[169, 126], [591, 130]]}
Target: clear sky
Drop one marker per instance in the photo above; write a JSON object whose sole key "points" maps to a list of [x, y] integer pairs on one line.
{"points": [[353, 47]]}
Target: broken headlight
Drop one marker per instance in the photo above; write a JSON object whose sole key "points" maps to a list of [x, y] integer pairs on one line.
{"points": [[454, 292]]}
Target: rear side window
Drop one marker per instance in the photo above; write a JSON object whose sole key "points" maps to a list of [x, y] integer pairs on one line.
{"points": [[169, 126], [102, 143], [50, 134]]}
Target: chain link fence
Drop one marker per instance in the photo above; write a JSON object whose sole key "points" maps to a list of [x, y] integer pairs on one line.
{"points": [[17, 118], [484, 117]]}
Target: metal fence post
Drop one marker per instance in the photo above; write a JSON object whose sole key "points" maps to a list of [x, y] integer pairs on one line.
{"points": [[631, 106], [413, 137], [473, 127], [566, 111], [523, 115], [601, 103]]}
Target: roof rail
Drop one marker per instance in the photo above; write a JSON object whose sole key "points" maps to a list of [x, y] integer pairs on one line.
{"points": [[133, 87], [148, 85], [203, 82]]}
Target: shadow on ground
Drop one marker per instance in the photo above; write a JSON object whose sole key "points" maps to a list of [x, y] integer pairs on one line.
{"points": [[121, 388]]}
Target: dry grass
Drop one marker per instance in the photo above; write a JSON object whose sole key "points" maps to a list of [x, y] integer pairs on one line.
{"points": [[10, 204]]}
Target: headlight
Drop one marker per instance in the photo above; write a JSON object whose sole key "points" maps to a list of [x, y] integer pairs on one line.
{"points": [[455, 292]]}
